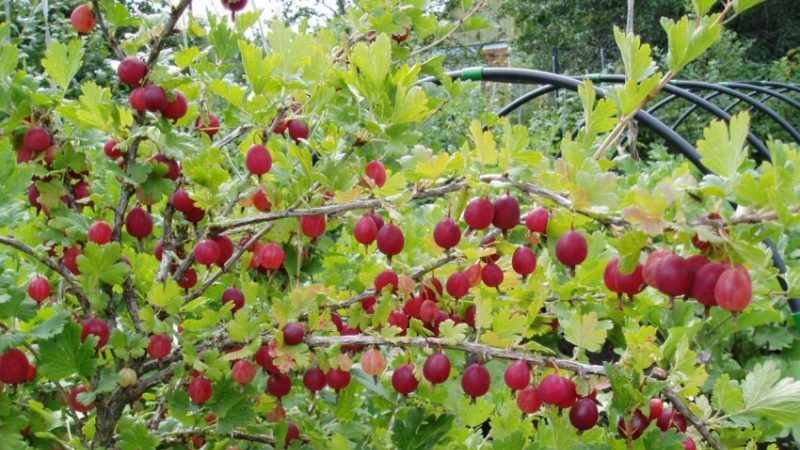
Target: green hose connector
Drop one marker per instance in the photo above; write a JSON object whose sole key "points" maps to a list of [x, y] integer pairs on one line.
{"points": [[472, 74]]}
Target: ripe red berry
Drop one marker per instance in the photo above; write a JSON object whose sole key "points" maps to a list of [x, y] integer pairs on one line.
{"points": [[138, 223], [734, 290], [651, 266], [314, 379], [206, 252], [705, 282], [610, 275], [402, 37], [376, 172], [137, 99], [376, 218], [189, 279], [403, 379], [469, 316], [553, 389], [225, 249], [234, 5], [432, 289], [173, 168], [447, 233], [14, 366], [476, 380], [492, 275], [398, 319], [517, 375], [259, 160], [292, 432], [428, 312], [337, 378], [536, 220], [208, 124], [634, 428], [266, 360], [570, 395], [261, 201], [631, 283], [195, 215], [689, 444], [75, 404], [373, 363], [672, 276], [82, 19], [437, 368], [272, 256], [98, 328], [37, 139], [386, 278], [528, 400], [365, 231], [572, 248], [155, 99], [506, 213], [293, 333], [313, 226], [243, 372], [523, 261], [70, 259], [391, 240], [177, 108], [111, 150], [234, 295], [479, 213], [298, 130], [131, 71], [457, 285], [80, 190], [39, 289], [583, 415], [160, 345], [656, 408], [665, 420], [200, 389], [100, 233]]}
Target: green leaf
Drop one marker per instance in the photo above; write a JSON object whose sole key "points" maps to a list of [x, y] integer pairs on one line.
{"points": [[102, 263], [769, 396], [630, 247], [599, 117], [373, 62], [410, 105], [117, 14], [63, 61], [727, 395], [135, 436], [702, 7], [629, 96], [414, 430], [586, 331], [186, 56], [452, 333], [474, 414], [64, 355], [626, 394], [257, 67], [485, 145], [688, 39], [9, 57], [723, 148], [95, 110], [636, 57], [230, 406], [741, 6], [50, 327], [168, 296], [13, 303], [507, 328]]}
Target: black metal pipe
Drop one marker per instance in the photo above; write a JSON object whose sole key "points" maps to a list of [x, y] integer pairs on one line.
{"points": [[787, 86], [763, 90]]}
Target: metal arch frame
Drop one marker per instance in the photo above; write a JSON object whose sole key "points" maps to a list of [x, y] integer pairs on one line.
{"points": [[528, 76], [767, 91], [685, 115], [790, 86]]}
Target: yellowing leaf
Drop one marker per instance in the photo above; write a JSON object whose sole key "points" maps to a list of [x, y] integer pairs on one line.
{"points": [[485, 145], [587, 332]]}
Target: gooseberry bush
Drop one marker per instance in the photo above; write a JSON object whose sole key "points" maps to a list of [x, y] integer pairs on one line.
{"points": [[247, 241]]}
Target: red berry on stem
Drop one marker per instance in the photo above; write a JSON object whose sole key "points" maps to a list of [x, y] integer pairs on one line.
{"points": [[536, 220], [293, 333], [234, 5], [337, 378], [656, 408], [234, 295], [131, 70], [37, 139], [523, 261], [402, 37], [160, 345], [437, 368], [70, 258], [206, 252], [298, 130], [432, 289], [189, 279], [376, 218], [138, 223], [517, 375], [672, 276], [195, 215], [259, 160], [365, 230], [76, 404], [610, 275], [14, 366], [734, 290], [479, 213], [137, 99], [279, 385], [313, 226], [155, 99], [177, 108], [200, 389], [403, 379], [583, 415], [100, 233], [243, 372], [208, 124], [386, 278], [447, 233], [373, 362], [82, 19], [492, 275], [98, 328], [265, 359], [398, 319], [651, 266], [173, 168], [272, 256], [705, 282], [631, 283], [689, 444], [111, 150], [261, 201], [376, 172], [634, 428], [553, 389], [390, 240], [528, 400], [428, 312], [314, 379], [292, 432], [506, 213], [469, 316], [476, 380], [39, 289], [572, 248], [225, 249], [457, 285]]}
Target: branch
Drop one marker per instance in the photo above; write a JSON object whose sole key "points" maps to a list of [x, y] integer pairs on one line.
{"points": [[239, 435], [176, 13], [127, 190], [56, 267], [450, 33], [112, 41], [698, 423]]}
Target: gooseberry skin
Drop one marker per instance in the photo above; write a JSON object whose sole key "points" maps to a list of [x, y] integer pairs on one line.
{"points": [[338, 379], [476, 380], [314, 379], [258, 160], [200, 389], [672, 276], [572, 249], [517, 375], [14, 366], [293, 333], [39, 289], [523, 261], [734, 290], [390, 240], [234, 295], [536, 220], [447, 233], [376, 172], [279, 385], [506, 213], [436, 368], [403, 379], [631, 283], [705, 282], [159, 347], [373, 362], [100, 233], [553, 389], [138, 223], [208, 124], [206, 252], [457, 285], [365, 231], [82, 19], [492, 275], [77, 405], [234, 5], [479, 213], [131, 70], [610, 275], [98, 328], [313, 226], [528, 400], [243, 372], [583, 414]]}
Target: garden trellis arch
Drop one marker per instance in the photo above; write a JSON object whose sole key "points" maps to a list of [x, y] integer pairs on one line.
{"points": [[679, 89]]}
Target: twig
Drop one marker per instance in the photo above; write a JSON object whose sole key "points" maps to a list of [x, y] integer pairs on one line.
{"points": [[112, 41], [450, 33], [240, 435], [698, 423], [176, 13], [75, 288]]}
